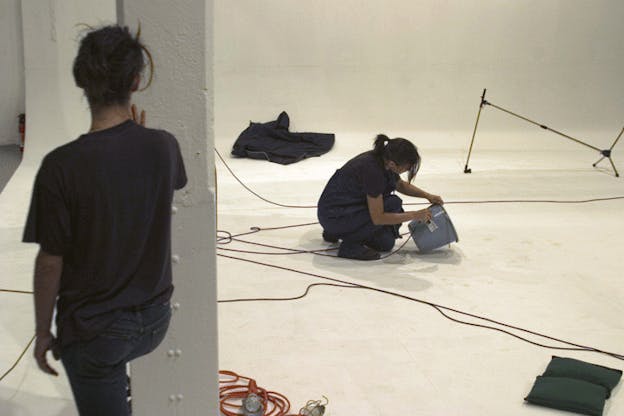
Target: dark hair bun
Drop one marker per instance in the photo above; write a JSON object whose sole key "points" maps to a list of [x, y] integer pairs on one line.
{"points": [[108, 63]]}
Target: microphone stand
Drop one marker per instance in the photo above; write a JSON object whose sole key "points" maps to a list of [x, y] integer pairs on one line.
{"points": [[605, 153]]}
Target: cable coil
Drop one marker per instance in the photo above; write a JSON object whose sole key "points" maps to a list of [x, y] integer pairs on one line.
{"points": [[234, 389]]}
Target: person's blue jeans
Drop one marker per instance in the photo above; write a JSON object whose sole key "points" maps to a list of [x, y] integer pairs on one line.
{"points": [[97, 368]]}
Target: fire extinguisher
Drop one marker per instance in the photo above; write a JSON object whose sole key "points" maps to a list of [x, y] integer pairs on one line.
{"points": [[22, 130]]}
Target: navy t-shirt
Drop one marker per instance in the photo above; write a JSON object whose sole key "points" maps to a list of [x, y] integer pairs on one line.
{"points": [[346, 191], [103, 203]]}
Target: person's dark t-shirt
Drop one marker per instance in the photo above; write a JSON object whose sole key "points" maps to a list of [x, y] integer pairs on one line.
{"points": [[346, 191], [103, 203]]}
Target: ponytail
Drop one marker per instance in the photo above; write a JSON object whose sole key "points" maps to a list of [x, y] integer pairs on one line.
{"points": [[380, 143]]}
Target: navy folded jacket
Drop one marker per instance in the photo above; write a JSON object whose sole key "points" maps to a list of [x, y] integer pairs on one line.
{"points": [[273, 142]]}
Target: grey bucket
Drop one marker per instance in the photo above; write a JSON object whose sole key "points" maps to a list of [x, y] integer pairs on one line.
{"points": [[436, 233]]}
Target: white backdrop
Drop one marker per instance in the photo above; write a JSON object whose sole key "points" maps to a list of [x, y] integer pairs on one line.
{"points": [[12, 74], [419, 67]]}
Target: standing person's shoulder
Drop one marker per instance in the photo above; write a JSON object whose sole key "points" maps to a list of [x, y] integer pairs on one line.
{"points": [[168, 141], [154, 134], [162, 138], [59, 157]]}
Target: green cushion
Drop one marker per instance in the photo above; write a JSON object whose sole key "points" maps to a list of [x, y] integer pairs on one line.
{"points": [[570, 368], [568, 394]]}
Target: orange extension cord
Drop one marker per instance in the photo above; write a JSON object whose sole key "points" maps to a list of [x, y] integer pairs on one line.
{"points": [[233, 388]]}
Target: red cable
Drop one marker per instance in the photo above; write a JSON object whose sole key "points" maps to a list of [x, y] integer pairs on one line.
{"points": [[235, 388]]}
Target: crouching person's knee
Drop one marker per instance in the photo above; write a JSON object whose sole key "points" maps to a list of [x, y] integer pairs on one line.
{"points": [[382, 241]]}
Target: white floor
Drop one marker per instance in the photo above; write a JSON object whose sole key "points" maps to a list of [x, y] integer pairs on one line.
{"points": [[10, 158], [551, 268]]}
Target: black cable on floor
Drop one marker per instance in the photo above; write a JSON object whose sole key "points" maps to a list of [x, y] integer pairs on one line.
{"points": [[254, 193], [228, 238], [310, 286], [290, 251], [494, 201], [439, 308]]}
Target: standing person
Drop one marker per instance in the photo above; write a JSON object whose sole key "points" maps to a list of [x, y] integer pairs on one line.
{"points": [[358, 204], [101, 213]]}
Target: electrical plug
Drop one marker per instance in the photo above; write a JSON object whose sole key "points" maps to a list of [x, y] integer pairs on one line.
{"points": [[314, 408], [252, 405], [318, 410]]}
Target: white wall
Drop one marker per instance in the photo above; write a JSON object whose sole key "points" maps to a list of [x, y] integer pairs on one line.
{"points": [[397, 65], [12, 74], [420, 66], [56, 110]]}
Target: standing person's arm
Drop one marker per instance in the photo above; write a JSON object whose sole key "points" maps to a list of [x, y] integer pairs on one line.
{"points": [[48, 269], [407, 188], [49, 225]]}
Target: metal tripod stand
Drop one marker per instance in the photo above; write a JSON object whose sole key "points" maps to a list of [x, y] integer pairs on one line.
{"points": [[605, 153]]}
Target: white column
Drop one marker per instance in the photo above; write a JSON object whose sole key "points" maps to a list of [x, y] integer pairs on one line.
{"points": [[181, 376]]}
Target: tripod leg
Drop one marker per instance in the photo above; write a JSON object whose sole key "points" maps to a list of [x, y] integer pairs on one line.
{"points": [[616, 140], [600, 160], [617, 175], [474, 132]]}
